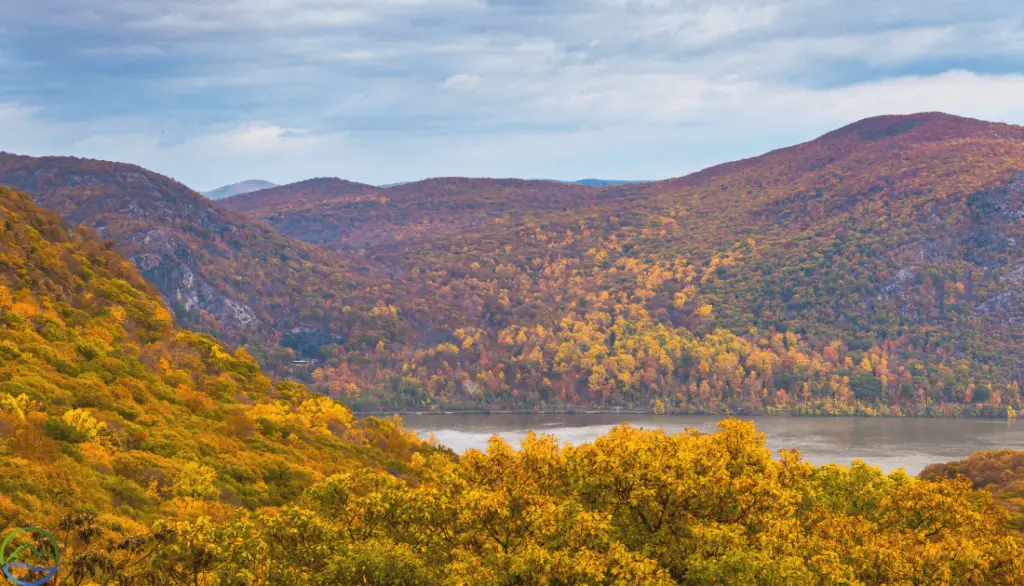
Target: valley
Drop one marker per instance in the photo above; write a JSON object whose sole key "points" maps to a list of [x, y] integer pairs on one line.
{"points": [[499, 293], [872, 271]]}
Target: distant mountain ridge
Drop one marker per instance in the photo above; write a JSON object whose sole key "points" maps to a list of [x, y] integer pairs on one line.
{"points": [[876, 269], [585, 182], [247, 186], [298, 193], [885, 254], [346, 214], [607, 182]]}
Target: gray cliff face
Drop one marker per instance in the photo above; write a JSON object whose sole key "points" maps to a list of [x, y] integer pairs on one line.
{"points": [[162, 226], [198, 254], [168, 263], [987, 248]]}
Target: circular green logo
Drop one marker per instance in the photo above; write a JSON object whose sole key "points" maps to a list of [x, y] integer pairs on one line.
{"points": [[29, 557]]}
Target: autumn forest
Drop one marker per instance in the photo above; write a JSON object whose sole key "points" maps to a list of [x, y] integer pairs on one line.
{"points": [[203, 392]]}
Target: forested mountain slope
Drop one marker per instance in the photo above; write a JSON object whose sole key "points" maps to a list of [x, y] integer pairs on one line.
{"points": [[875, 270], [878, 266], [343, 214], [158, 456], [302, 193], [218, 271], [108, 409]]}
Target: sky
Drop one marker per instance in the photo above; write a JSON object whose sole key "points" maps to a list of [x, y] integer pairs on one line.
{"points": [[216, 91]]}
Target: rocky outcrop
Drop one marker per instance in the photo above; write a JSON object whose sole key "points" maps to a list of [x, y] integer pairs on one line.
{"points": [[168, 263]]}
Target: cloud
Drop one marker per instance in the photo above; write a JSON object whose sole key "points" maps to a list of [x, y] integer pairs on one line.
{"points": [[961, 92], [713, 23], [213, 91], [262, 139], [462, 81]]}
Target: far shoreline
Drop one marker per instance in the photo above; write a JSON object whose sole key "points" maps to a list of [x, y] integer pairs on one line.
{"points": [[724, 415]]}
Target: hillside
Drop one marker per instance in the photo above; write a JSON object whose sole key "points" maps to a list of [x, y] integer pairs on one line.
{"points": [[247, 186], [1000, 473], [110, 411], [308, 192], [634, 507], [218, 271], [344, 214], [158, 456], [876, 269]]}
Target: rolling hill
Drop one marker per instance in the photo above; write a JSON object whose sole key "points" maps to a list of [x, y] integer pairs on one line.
{"points": [[344, 214], [874, 269], [247, 186], [160, 456], [604, 182], [217, 270], [110, 411]]}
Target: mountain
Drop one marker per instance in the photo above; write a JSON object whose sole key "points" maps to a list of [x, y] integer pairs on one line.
{"points": [[604, 182], [595, 182], [353, 215], [584, 182], [873, 270], [876, 269], [110, 411], [247, 186], [218, 271], [310, 191], [159, 456]]}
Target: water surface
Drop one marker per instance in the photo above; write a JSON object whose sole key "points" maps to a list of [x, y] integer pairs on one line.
{"points": [[910, 443]]}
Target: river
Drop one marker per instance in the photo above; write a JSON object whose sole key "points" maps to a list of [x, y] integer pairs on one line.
{"points": [[890, 443]]}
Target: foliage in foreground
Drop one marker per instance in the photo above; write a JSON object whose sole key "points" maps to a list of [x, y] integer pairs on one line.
{"points": [[108, 410], [157, 456], [634, 507], [999, 472]]}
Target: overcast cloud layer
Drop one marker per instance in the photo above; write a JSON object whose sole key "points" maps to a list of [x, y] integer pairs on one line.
{"points": [[216, 91]]}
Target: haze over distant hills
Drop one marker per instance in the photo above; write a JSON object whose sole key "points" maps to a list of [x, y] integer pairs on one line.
{"points": [[247, 186], [605, 182], [251, 185], [586, 182]]}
